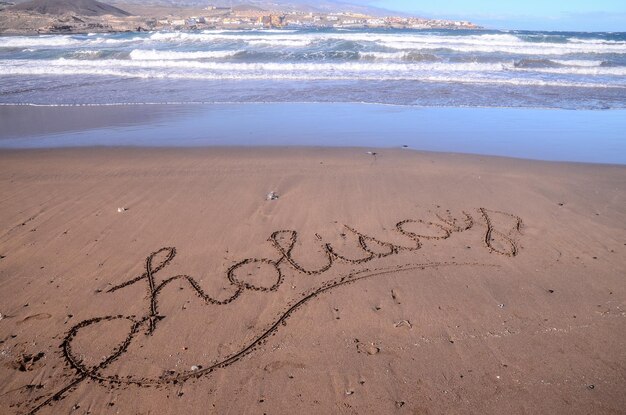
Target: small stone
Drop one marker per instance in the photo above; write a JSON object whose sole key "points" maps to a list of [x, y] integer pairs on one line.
{"points": [[372, 350], [399, 404], [591, 386], [271, 196], [403, 323], [501, 305], [194, 368], [121, 209]]}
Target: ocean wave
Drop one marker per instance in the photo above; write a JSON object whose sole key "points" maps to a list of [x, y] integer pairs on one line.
{"points": [[86, 54], [387, 67], [300, 70], [589, 71], [220, 31], [526, 48], [596, 41], [384, 42], [292, 43], [37, 41], [186, 75], [483, 43], [406, 56], [579, 62], [59, 41], [141, 54], [557, 63]]}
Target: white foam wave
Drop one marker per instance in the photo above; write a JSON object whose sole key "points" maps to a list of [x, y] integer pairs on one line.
{"points": [[286, 67], [491, 72], [140, 54], [596, 41], [291, 43], [153, 74], [384, 55], [88, 52], [485, 43], [589, 71], [220, 31], [577, 62], [482, 43], [37, 41], [107, 41], [519, 48]]}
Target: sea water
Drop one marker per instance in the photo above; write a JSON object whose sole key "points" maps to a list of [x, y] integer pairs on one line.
{"points": [[542, 95], [406, 67]]}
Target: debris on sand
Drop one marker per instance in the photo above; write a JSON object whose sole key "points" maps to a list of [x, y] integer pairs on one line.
{"points": [[272, 196], [403, 323], [121, 209]]}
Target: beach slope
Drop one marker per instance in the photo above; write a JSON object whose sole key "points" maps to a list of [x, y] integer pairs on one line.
{"points": [[164, 281]]}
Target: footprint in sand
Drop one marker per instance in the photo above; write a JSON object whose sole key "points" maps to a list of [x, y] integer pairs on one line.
{"points": [[40, 316]]}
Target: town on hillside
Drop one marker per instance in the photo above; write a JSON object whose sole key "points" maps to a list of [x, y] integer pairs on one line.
{"points": [[60, 16], [250, 17]]}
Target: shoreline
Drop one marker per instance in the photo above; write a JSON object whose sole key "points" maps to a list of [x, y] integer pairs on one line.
{"points": [[589, 136], [268, 149]]}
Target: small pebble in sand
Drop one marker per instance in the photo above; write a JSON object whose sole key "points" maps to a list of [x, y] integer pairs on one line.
{"points": [[501, 305], [272, 196], [121, 209], [194, 368], [372, 350], [403, 323]]}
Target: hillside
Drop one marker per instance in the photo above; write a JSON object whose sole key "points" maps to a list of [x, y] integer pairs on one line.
{"points": [[77, 7]]}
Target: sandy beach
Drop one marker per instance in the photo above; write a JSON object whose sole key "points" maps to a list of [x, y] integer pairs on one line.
{"points": [[148, 281]]}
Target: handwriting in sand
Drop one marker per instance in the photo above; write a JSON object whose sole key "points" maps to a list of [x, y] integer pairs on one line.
{"points": [[283, 242]]}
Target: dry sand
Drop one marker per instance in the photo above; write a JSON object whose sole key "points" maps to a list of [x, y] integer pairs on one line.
{"points": [[517, 305]]}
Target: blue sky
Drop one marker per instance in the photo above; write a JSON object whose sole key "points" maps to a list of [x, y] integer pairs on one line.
{"points": [[592, 15]]}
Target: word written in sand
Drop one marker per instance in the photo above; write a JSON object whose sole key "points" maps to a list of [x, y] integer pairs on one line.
{"points": [[283, 241]]}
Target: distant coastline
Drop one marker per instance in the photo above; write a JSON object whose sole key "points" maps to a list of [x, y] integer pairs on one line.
{"points": [[20, 20]]}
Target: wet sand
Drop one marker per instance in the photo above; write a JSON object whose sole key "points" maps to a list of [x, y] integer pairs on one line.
{"points": [[401, 282], [530, 133]]}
